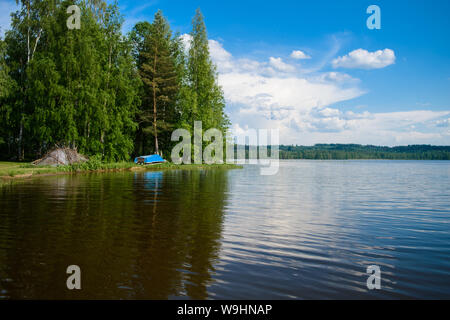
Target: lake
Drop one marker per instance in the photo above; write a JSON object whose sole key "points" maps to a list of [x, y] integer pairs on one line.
{"points": [[308, 232]]}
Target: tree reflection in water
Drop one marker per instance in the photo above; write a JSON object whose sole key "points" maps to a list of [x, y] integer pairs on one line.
{"points": [[152, 235]]}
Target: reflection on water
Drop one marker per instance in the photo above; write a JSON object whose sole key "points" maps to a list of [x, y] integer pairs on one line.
{"points": [[143, 235], [308, 232]]}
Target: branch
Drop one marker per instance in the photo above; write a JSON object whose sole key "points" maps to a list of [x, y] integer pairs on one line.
{"points": [[35, 44]]}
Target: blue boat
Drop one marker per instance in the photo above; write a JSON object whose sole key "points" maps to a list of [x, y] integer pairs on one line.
{"points": [[152, 159]]}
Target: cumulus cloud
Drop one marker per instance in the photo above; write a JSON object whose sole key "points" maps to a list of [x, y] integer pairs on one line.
{"points": [[363, 59], [279, 65], [336, 77], [221, 56], [186, 40], [443, 122], [227, 63], [308, 108], [331, 125], [218, 52], [299, 55], [272, 95]]}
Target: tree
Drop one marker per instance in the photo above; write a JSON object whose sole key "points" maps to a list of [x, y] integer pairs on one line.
{"points": [[97, 91], [74, 87], [22, 43], [157, 63], [5, 87], [4, 73], [140, 32], [206, 95]]}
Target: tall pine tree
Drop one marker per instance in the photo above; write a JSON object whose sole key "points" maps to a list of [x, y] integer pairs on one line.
{"points": [[157, 62], [206, 96]]}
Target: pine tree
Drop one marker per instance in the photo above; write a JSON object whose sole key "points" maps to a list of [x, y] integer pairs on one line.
{"points": [[158, 70], [206, 95]]}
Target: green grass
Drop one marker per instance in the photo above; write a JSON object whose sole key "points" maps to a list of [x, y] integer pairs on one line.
{"points": [[20, 169], [12, 169]]}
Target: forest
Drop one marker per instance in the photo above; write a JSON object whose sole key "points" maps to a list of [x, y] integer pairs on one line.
{"points": [[356, 151], [98, 90]]}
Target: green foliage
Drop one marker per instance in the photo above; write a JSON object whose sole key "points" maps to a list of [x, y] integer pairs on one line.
{"points": [[4, 74], [77, 88], [178, 89], [94, 163], [6, 86], [97, 91], [158, 114], [205, 97], [356, 151]]}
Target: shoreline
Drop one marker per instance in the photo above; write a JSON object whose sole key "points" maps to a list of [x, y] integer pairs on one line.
{"points": [[24, 171]]}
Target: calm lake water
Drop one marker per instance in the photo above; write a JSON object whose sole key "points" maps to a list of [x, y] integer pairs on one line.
{"points": [[308, 232]]}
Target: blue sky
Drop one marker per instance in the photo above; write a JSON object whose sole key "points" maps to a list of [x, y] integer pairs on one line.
{"points": [[348, 84]]}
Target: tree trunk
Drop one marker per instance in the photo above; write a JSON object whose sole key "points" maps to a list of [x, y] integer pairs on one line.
{"points": [[154, 105], [140, 149], [20, 151], [28, 32]]}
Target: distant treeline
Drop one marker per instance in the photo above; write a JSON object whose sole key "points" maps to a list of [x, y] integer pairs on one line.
{"points": [[356, 151]]}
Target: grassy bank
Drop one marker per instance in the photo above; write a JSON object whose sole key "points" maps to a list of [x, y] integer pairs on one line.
{"points": [[17, 170]]}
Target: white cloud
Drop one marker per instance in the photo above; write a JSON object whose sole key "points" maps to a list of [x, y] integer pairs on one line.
{"points": [[186, 40], [336, 77], [226, 63], [218, 52], [363, 59], [263, 95], [443, 122], [298, 54], [279, 65], [221, 56], [330, 125], [267, 89], [270, 95]]}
